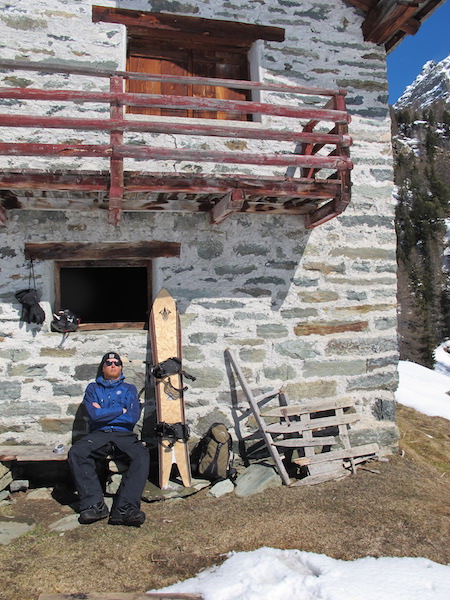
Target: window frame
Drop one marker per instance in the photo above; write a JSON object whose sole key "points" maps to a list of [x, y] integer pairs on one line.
{"points": [[226, 34], [113, 325]]}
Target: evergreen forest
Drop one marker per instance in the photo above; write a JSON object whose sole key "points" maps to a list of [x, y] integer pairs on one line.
{"points": [[421, 142]]}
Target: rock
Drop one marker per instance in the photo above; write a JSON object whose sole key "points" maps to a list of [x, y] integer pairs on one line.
{"points": [[221, 488], [255, 479], [5, 478], [9, 530], [19, 485], [114, 483], [40, 494], [65, 524]]}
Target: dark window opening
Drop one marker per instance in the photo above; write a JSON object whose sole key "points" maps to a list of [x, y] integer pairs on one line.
{"points": [[105, 297]]}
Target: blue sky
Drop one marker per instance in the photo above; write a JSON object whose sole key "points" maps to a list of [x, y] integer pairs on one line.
{"points": [[432, 42]]}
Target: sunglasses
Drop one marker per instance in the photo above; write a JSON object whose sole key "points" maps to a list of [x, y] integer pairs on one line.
{"points": [[109, 363]]}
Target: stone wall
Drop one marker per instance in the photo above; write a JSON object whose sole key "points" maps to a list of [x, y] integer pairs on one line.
{"points": [[312, 311]]}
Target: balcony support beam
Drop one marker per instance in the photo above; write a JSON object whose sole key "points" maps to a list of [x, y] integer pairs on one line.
{"points": [[231, 203]]}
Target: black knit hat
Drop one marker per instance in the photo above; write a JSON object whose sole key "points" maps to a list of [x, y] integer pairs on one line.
{"points": [[109, 356]]}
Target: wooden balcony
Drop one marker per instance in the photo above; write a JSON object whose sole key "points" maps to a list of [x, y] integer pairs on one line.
{"points": [[305, 172]]}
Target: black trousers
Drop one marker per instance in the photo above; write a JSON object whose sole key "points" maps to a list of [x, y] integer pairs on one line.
{"points": [[97, 445]]}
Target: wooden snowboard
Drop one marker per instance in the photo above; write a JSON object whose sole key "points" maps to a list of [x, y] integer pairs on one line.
{"points": [[165, 335]]}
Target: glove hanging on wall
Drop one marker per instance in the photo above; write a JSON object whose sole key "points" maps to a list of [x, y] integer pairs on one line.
{"points": [[31, 310]]}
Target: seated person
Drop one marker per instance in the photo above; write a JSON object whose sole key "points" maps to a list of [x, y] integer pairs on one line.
{"points": [[113, 410]]}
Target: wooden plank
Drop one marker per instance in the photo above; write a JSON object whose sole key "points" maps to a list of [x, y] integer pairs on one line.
{"points": [[299, 426], [30, 453], [311, 407], [26, 65], [168, 127], [152, 153], [99, 251], [302, 443], [365, 450], [169, 182], [122, 596], [259, 420], [116, 164], [321, 478], [159, 101]]}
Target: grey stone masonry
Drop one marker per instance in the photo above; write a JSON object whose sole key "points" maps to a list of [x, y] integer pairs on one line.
{"points": [[309, 311]]}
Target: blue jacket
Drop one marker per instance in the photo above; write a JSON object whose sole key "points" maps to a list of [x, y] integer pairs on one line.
{"points": [[113, 397]]}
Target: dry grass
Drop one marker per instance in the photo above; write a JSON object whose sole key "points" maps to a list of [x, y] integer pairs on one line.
{"points": [[401, 511]]}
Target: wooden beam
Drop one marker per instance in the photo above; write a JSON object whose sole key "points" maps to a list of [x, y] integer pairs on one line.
{"points": [[116, 164], [75, 69], [100, 251], [365, 5], [229, 204], [365, 450], [176, 154], [381, 24], [167, 127], [193, 25], [172, 183], [123, 596], [181, 102], [32, 179]]}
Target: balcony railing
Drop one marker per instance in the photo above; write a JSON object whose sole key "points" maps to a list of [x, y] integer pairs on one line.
{"points": [[306, 171]]}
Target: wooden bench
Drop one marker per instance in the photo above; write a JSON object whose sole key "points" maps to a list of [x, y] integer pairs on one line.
{"points": [[30, 453]]}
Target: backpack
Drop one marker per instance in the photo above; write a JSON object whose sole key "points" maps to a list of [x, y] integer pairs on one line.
{"points": [[212, 456], [64, 321]]}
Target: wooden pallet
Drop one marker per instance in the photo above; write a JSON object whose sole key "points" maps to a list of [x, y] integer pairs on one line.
{"points": [[316, 430]]}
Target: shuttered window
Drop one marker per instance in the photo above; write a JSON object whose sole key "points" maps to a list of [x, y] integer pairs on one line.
{"points": [[169, 44], [188, 59]]}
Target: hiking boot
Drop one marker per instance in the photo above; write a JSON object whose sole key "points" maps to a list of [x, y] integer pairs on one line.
{"points": [[127, 515], [96, 512]]}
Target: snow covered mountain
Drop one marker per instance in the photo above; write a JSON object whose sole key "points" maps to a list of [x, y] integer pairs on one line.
{"points": [[431, 85]]}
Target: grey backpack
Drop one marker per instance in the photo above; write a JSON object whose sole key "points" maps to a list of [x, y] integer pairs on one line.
{"points": [[212, 456]]}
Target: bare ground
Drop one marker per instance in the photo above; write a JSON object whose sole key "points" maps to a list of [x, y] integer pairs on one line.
{"points": [[403, 509]]}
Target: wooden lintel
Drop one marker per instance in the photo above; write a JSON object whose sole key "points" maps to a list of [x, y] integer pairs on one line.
{"points": [[184, 24], [100, 251], [229, 204]]}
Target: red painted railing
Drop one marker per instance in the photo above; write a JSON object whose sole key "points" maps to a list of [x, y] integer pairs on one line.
{"points": [[306, 142]]}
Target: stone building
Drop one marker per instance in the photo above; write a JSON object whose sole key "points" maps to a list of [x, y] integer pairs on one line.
{"points": [[258, 253]]}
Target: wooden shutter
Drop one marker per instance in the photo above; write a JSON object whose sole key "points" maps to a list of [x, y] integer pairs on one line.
{"points": [[188, 56]]}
